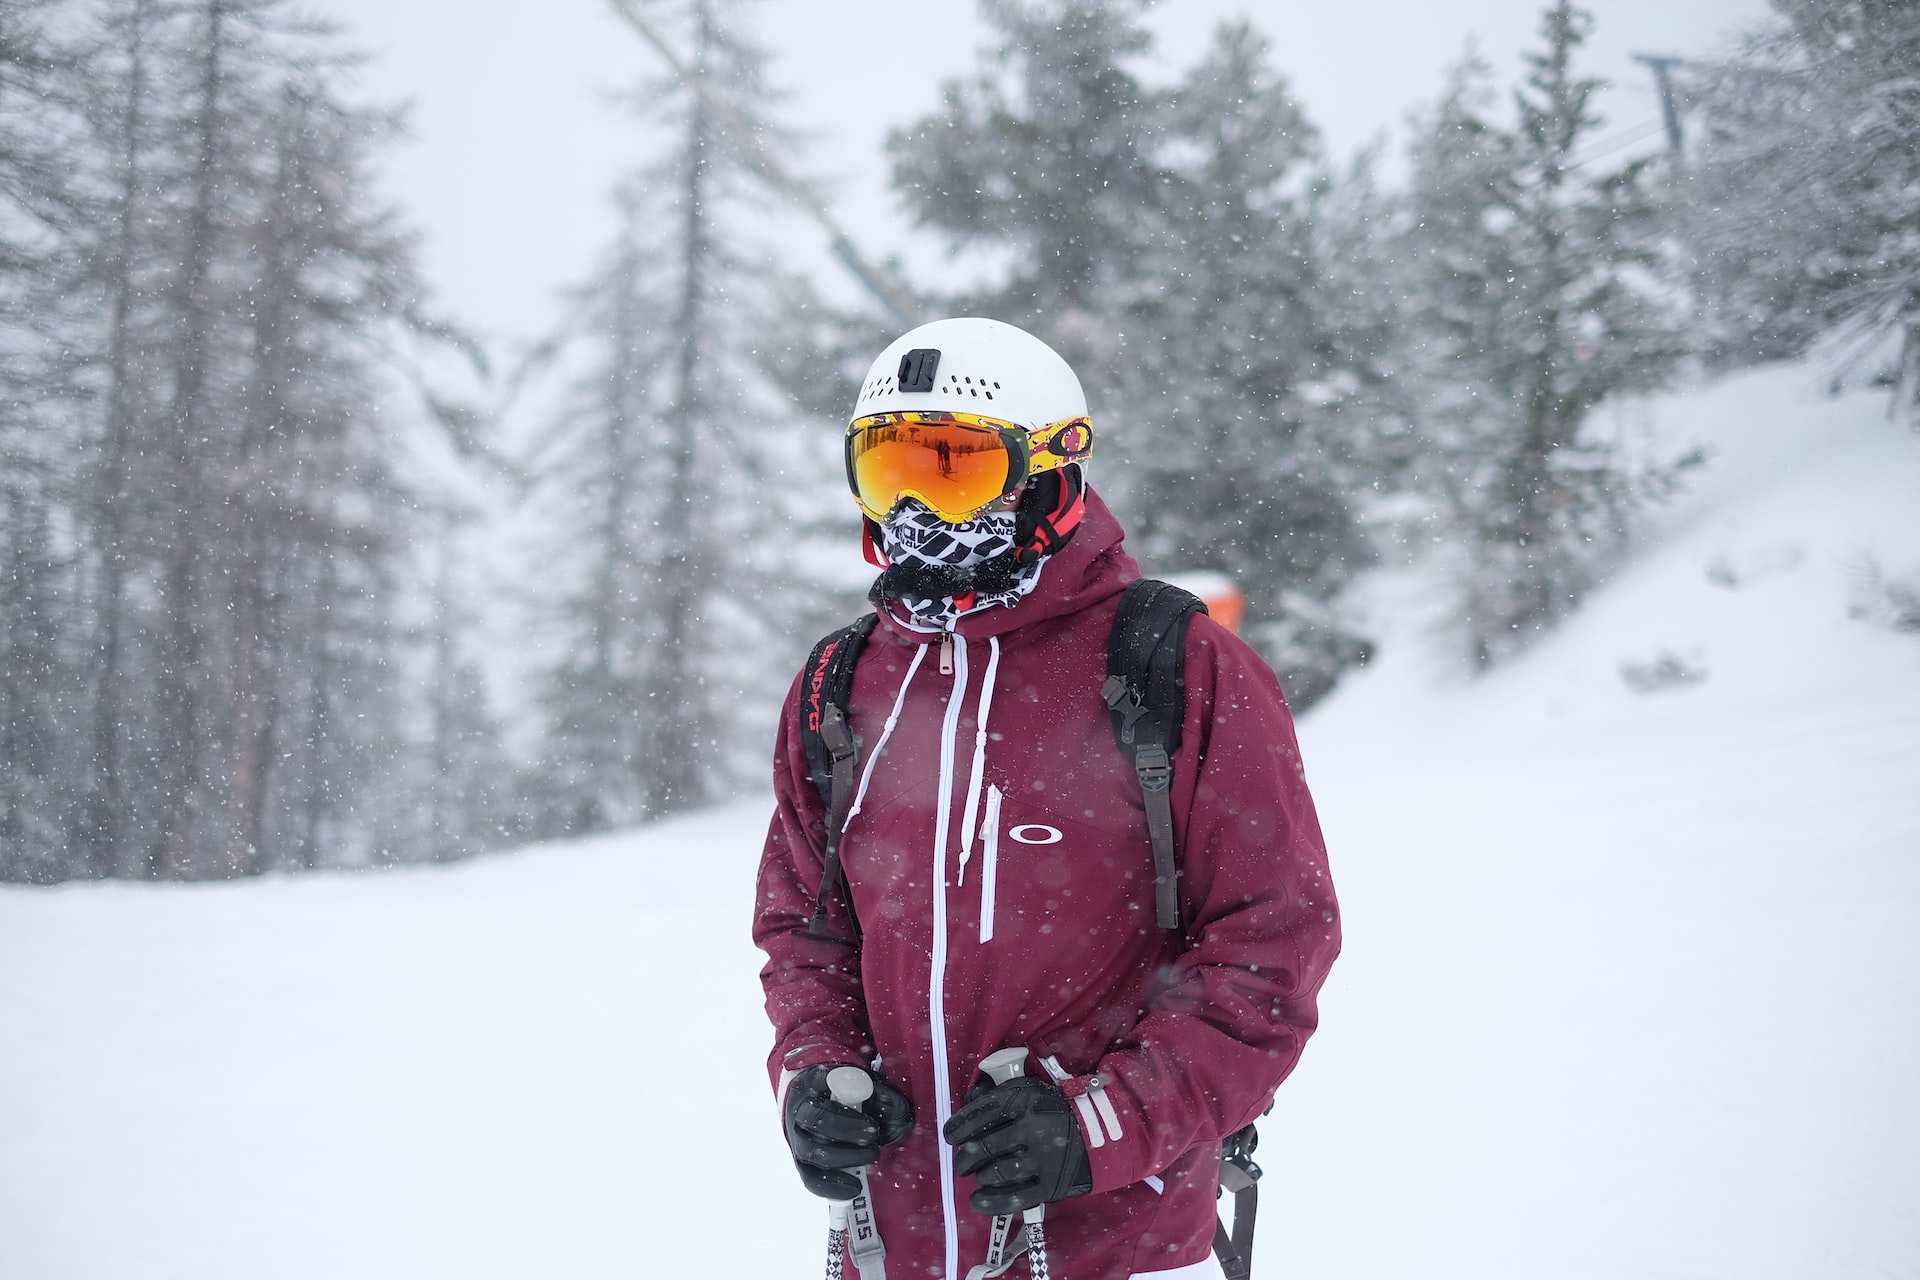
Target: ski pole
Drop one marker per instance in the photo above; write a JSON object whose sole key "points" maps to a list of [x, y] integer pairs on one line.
{"points": [[1000, 1067], [851, 1087]]}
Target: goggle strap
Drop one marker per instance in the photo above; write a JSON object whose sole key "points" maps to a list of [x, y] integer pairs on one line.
{"points": [[1053, 528], [870, 544], [1041, 457]]}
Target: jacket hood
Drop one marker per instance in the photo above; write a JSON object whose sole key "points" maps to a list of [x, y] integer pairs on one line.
{"points": [[1091, 567]]}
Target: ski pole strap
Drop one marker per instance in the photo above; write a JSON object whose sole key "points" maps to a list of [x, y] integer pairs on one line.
{"points": [[868, 1250], [1004, 1248]]}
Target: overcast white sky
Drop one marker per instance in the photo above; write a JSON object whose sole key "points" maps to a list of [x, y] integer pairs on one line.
{"points": [[514, 144]]}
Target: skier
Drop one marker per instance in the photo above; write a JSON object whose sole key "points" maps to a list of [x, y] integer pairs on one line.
{"points": [[992, 886]]}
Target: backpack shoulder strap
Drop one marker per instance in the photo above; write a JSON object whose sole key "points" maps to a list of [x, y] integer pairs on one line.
{"points": [[1146, 690], [1240, 1175], [832, 749]]}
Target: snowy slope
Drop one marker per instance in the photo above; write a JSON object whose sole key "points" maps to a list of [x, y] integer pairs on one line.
{"points": [[1631, 984], [1632, 978], [508, 1069]]}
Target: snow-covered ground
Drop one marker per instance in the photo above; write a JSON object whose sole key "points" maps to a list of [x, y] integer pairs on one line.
{"points": [[1632, 983]]}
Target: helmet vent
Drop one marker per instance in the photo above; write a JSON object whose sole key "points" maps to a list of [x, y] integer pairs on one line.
{"points": [[959, 384]]}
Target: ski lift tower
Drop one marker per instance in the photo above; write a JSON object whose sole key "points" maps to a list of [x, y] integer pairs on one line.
{"points": [[1662, 67]]}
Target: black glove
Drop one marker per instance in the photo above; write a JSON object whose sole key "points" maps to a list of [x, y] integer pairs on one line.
{"points": [[827, 1138], [1022, 1141]]}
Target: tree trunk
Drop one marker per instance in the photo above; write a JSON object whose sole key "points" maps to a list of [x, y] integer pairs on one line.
{"points": [[182, 712], [679, 711], [105, 805]]}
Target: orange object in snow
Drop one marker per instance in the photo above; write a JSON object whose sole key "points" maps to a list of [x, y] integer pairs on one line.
{"points": [[1224, 601]]}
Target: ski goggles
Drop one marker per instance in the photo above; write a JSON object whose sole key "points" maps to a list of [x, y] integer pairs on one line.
{"points": [[958, 464]]}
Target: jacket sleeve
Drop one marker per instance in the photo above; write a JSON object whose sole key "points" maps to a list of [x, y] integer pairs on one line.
{"points": [[1229, 1018], [812, 984]]}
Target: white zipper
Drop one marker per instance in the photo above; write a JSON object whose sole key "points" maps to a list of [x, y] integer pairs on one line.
{"points": [[937, 967]]}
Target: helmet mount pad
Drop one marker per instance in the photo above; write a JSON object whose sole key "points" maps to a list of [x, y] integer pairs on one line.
{"points": [[919, 369]]}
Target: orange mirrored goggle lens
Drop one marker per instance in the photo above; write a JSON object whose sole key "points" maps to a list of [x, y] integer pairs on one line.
{"points": [[956, 468]]}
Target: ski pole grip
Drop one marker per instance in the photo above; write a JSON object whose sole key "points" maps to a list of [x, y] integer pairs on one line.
{"points": [[850, 1086], [1000, 1066]]}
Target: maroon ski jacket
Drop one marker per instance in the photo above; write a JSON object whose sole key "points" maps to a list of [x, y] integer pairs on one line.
{"points": [[1003, 880]]}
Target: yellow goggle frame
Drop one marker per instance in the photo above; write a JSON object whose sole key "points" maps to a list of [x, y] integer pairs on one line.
{"points": [[958, 464]]}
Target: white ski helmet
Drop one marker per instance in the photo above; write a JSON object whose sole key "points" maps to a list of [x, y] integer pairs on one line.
{"points": [[960, 414], [964, 413], [978, 366]]}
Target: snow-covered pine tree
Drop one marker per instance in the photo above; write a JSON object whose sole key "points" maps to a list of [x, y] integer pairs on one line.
{"points": [[1531, 301], [312, 478], [1160, 239], [37, 679], [459, 776], [1043, 157], [672, 463], [613, 468], [229, 527], [121, 103], [1239, 410], [43, 626], [1800, 193]]}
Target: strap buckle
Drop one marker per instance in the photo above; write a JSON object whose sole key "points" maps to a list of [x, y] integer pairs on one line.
{"points": [[1115, 691], [1238, 1172], [836, 735], [1155, 769]]}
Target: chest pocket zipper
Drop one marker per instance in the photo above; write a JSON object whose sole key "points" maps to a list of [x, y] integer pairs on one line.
{"points": [[989, 862]]}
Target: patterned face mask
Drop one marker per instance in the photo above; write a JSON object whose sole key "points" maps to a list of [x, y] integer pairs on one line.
{"points": [[940, 572]]}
